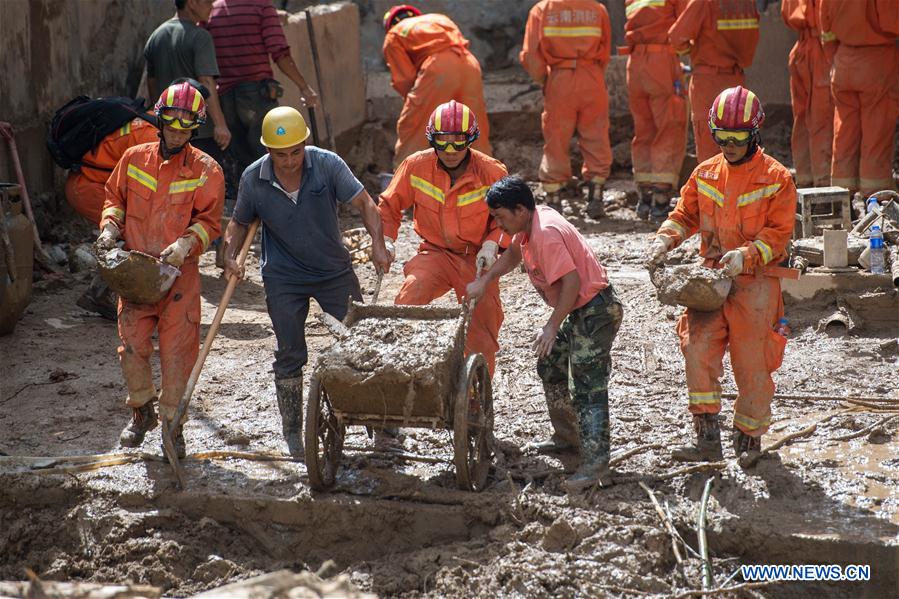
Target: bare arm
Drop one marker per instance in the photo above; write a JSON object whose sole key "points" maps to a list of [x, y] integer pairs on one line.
{"points": [[289, 68], [504, 265], [222, 134], [371, 218], [571, 283], [235, 235]]}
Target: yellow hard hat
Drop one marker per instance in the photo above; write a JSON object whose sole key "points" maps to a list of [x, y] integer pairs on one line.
{"points": [[283, 127]]}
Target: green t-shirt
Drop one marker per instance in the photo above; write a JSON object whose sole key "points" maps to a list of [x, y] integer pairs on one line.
{"points": [[180, 48]]}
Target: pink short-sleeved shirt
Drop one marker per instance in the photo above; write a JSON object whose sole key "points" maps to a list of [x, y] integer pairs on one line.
{"points": [[552, 249]]}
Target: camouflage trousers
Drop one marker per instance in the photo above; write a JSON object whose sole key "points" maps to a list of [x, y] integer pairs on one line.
{"points": [[576, 373]]}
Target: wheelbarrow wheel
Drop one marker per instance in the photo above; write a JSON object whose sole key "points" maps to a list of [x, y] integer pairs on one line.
{"points": [[324, 438], [473, 425]]}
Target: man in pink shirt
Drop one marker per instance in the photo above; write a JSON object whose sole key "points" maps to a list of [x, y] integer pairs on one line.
{"points": [[573, 347]]}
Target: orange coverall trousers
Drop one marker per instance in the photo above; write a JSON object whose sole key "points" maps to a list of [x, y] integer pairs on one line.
{"points": [[85, 196], [812, 136], [453, 74], [433, 272], [746, 324], [660, 115], [705, 85], [177, 318], [575, 99], [865, 117]]}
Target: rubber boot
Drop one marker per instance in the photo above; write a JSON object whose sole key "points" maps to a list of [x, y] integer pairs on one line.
{"points": [[99, 298], [551, 194], [594, 469], [143, 419], [565, 437], [661, 204], [595, 208], [708, 441], [644, 204], [177, 441], [290, 404], [744, 443]]}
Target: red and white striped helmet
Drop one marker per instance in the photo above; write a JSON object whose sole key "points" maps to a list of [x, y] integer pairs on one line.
{"points": [[453, 118], [736, 109]]}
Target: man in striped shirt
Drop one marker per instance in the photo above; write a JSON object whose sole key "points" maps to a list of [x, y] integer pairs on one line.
{"points": [[246, 33]]}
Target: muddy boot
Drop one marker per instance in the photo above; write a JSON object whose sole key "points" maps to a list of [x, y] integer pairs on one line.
{"points": [[661, 205], [644, 204], [708, 441], [595, 208], [565, 437], [177, 441], [594, 470], [99, 298], [290, 403], [744, 443], [143, 419]]}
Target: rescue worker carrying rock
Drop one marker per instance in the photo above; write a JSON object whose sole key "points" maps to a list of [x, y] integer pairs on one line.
{"points": [[720, 36], [429, 65], [86, 193], [742, 203], [573, 348], [865, 88], [810, 62], [163, 199], [446, 185], [656, 90], [295, 189], [566, 48]]}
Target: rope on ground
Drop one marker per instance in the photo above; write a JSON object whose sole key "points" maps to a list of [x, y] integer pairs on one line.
{"points": [[801, 397], [707, 580], [865, 430]]}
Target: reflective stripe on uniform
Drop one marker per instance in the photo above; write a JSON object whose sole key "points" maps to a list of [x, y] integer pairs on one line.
{"points": [[759, 194], [705, 398], [116, 213], [472, 196], [642, 4], [675, 226], [737, 24], [750, 423], [186, 185], [125, 130], [142, 177], [764, 249], [641, 177], [201, 233], [572, 31], [427, 188], [828, 36], [710, 192]]}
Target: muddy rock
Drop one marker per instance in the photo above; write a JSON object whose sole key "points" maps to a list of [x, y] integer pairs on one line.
{"points": [[560, 537], [56, 254], [691, 285], [81, 258]]}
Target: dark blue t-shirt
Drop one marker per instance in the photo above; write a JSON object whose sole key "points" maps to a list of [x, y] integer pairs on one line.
{"points": [[301, 242]]}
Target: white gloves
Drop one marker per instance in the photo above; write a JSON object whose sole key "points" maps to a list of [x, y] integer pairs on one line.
{"points": [[108, 236], [733, 263], [659, 248], [178, 251], [391, 248], [487, 254]]}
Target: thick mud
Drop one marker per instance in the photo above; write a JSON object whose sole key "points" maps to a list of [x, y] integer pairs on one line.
{"points": [[692, 286]]}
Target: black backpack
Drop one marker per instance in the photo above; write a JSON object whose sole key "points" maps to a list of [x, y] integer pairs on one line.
{"points": [[82, 123]]}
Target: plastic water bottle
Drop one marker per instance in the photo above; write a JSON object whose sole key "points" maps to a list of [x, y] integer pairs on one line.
{"points": [[782, 328], [871, 204], [875, 239]]}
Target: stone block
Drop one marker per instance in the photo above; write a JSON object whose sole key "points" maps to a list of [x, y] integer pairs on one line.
{"points": [[836, 251]]}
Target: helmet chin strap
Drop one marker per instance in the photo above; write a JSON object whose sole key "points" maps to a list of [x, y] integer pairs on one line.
{"points": [[164, 148], [462, 163], [751, 149]]}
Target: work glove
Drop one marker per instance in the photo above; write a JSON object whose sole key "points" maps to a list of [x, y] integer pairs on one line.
{"points": [[177, 251], [108, 236], [733, 263], [658, 249], [487, 254], [391, 248]]}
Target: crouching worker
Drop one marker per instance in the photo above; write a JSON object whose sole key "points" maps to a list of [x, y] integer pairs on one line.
{"points": [[573, 347], [294, 190]]}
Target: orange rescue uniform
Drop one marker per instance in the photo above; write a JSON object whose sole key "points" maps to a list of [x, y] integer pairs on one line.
{"points": [[750, 207], [566, 48], [720, 36], [810, 62], [86, 186], [655, 92], [864, 87], [453, 221], [154, 202], [430, 64]]}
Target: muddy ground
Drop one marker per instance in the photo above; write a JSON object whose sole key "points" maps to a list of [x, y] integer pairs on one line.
{"points": [[398, 527]]}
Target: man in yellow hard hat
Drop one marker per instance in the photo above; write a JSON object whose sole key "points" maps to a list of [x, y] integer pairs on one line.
{"points": [[294, 190]]}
